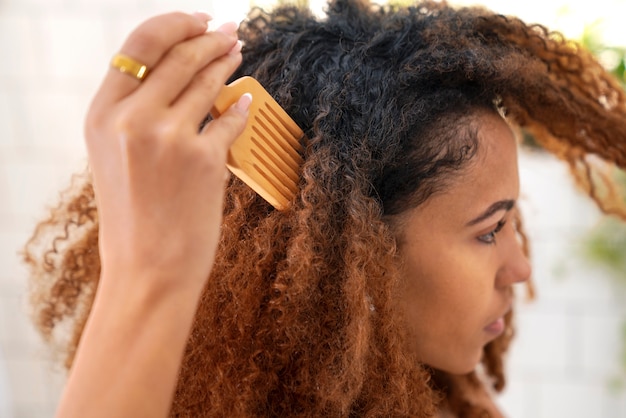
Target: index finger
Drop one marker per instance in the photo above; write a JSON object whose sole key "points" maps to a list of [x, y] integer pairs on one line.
{"points": [[147, 44]]}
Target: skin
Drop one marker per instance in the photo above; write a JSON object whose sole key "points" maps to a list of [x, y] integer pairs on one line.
{"points": [[460, 259], [151, 172]]}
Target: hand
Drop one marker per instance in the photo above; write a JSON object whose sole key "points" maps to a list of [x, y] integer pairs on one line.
{"points": [[159, 182]]}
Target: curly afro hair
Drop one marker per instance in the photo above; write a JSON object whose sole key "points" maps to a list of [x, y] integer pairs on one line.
{"points": [[298, 317]]}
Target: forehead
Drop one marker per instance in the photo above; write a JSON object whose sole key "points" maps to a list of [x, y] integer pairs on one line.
{"points": [[491, 176]]}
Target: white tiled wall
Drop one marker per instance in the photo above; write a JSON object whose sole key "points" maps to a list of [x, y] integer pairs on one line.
{"points": [[52, 55]]}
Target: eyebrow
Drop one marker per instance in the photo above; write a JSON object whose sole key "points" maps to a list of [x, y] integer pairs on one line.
{"points": [[505, 205]]}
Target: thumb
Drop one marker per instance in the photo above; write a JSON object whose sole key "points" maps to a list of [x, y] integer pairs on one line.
{"points": [[225, 129]]}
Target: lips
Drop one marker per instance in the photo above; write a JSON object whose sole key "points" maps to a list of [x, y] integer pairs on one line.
{"points": [[497, 326]]}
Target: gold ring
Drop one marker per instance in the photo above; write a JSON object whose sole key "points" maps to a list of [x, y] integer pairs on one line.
{"points": [[130, 66]]}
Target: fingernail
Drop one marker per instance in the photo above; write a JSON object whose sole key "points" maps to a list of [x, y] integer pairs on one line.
{"points": [[236, 48], [204, 17], [228, 28], [244, 102]]}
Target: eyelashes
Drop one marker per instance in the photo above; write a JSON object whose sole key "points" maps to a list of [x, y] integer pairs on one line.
{"points": [[490, 237]]}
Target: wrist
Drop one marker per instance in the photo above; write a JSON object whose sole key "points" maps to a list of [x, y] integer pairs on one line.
{"points": [[149, 286]]}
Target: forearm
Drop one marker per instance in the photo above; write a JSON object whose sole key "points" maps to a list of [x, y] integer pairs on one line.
{"points": [[130, 351]]}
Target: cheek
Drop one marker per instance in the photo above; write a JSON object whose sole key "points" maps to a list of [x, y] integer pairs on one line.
{"points": [[447, 295]]}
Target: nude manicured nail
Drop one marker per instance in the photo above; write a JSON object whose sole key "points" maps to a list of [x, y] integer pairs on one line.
{"points": [[244, 102]]}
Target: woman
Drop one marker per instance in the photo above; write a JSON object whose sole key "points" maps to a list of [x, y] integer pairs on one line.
{"points": [[386, 288]]}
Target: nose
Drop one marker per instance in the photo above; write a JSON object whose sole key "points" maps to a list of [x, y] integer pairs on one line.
{"points": [[515, 267]]}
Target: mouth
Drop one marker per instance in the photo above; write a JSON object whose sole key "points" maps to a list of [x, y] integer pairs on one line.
{"points": [[497, 326]]}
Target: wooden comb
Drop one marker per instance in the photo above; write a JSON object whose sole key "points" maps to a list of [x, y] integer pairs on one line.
{"points": [[267, 155]]}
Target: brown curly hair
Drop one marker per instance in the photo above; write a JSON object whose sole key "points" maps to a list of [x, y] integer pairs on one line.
{"points": [[298, 317]]}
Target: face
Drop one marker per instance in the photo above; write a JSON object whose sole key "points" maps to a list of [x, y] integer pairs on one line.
{"points": [[461, 255]]}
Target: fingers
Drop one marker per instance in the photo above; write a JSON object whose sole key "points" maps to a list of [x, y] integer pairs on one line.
{"points": [[181, 65], [148, 44], [198, 97], [188, 66]]}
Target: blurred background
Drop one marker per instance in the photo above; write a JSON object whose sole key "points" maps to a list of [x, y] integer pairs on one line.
{"points": [[569, 357]]}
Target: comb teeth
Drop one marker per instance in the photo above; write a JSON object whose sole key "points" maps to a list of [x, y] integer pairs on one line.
{"points": [[266, 156]]}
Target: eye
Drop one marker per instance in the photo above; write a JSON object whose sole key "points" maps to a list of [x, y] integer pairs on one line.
{"points": [[490, 237]]}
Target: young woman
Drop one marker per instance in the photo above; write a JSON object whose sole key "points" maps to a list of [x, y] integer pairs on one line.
{"points": [[385, 289]]}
